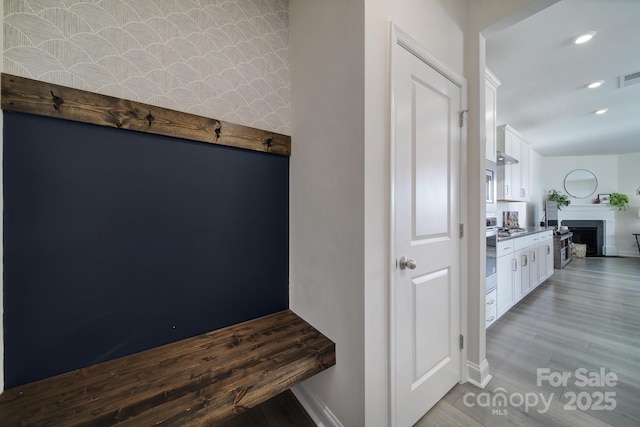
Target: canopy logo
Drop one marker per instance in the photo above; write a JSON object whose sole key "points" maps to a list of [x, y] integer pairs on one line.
{"points": [[589, 394], [499, 401]]}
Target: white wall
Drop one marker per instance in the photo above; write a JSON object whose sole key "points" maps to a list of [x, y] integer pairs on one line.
{"points": [[438, 25], [628, 222], [603, 167], [339, 226], [327, 191], [324, 287], [485, 17], [535, 208], [615, 173], [441, 27]]}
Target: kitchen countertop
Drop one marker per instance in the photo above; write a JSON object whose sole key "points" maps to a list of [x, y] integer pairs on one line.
{"points": [[529, 231]]}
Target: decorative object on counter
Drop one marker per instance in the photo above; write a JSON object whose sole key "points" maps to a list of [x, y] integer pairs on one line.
{"points": [[620, 201], [510, 219], [559, 198], [604, 199]]}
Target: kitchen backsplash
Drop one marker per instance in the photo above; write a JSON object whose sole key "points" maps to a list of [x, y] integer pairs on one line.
{"points": [[519, 207]]}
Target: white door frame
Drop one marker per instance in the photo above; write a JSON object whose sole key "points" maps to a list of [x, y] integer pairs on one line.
{"points": [[402, 40]]}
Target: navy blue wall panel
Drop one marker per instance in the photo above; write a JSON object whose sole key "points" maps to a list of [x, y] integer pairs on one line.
{"points": [[118, 241]]}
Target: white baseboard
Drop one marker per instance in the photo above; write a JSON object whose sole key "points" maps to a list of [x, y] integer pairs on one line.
{"points": [[630, 254], [317, 410], [478, 375]]}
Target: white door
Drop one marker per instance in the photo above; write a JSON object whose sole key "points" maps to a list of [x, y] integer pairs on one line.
{"points": [[425, 315]]}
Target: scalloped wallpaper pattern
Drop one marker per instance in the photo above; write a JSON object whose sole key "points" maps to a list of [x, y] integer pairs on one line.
{"points": [[223, 59]]}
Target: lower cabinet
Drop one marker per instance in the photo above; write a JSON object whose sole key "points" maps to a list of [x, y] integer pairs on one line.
{"points": [[523, 263], [545, 268], [522, 281], [506, 267], [549, 261], [491, 311]]}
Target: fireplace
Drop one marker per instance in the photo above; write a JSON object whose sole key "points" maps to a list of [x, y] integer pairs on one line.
{"points": [[588, 232]]}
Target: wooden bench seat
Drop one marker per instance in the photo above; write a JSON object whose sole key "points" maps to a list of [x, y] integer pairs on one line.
{"points": [[201, 380]]}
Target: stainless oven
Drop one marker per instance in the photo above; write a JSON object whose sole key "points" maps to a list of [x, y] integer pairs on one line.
{"points": [[491, 186], [492, 238]]}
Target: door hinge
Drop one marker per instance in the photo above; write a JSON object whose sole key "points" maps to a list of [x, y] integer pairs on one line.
{"points": [[461, 342], [461, 117], [461, 231]]}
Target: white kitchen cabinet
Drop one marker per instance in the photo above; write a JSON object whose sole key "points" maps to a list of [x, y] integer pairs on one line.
{"points": [[513, 179], [514, 185], [491, 98], [545, 256], [548, 259], [521, 277], [536, 259], [506, 266], [491, 309], [522, 265], [525, 171]]}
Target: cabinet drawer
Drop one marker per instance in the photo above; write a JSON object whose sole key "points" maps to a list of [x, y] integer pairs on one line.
{"points": [[526, 241], [491, 311], [546, 235], [491, 299], [504, 248]]}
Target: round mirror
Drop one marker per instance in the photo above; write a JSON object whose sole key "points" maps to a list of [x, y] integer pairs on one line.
{"points": [[580, 183]]}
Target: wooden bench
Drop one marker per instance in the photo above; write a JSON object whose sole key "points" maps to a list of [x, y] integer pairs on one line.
{"points": [[201, 380]]}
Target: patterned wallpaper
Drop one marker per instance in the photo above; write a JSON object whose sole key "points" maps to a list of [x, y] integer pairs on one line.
{"points": [[226, 59]]}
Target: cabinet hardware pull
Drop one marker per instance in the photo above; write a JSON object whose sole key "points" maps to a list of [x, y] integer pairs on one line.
{"points": [[491, 302], [490, 319]]}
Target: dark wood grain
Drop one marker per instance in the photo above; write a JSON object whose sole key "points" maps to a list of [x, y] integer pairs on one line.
{"points": [[202, 380], [283, 410], [47, 99]]}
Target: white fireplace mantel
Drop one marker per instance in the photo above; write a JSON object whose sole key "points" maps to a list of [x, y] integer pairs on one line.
{"points": [[605, 213]]}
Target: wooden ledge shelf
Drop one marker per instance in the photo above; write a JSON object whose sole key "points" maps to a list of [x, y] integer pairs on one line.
{"points": [[198, 381], [24, 95]]}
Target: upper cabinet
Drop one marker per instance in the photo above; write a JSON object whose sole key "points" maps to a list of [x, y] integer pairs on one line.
{"points": [[513, 178], [491, 87]]}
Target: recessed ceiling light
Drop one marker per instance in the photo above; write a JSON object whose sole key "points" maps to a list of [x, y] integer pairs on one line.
{"points": [[596, 84], [602, 111], [583, 38]]}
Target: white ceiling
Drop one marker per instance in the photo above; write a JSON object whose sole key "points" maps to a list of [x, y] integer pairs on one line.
{"points": [[544, 76]]}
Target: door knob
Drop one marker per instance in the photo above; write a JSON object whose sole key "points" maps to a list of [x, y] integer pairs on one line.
{"points": [[406, 263]]}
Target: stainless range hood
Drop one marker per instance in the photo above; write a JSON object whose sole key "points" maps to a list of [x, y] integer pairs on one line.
{"points": [[505, 159]]}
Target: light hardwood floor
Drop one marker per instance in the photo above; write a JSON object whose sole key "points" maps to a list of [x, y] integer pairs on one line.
{"points": [[585, 316]]}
